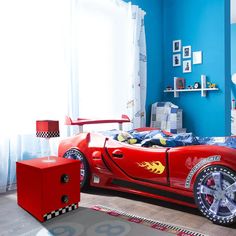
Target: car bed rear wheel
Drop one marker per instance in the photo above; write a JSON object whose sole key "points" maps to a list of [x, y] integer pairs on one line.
{"points": [[84, 166], [215, 194]]}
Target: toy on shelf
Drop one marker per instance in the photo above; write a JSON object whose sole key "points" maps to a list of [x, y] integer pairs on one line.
{"points": [[197, 85], [211, 85], [169, 87], [47, 129]]}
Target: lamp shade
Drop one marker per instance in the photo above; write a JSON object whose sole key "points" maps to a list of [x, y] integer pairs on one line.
{"points": [[47, 128]]}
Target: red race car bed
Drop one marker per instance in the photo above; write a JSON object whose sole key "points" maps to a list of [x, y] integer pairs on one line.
{"points": [[184, 169]]}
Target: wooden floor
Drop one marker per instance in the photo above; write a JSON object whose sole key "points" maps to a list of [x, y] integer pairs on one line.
{"points": [[141, 206], [157, 210]]}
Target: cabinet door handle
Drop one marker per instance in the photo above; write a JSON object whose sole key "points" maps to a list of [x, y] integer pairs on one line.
{"points": [[65, 178], [65, 199]]}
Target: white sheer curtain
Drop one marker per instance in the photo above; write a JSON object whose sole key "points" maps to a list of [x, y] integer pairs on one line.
{"points": [[104, 59], [57, 57], [137, 93], [34, 75], [111, 60]]}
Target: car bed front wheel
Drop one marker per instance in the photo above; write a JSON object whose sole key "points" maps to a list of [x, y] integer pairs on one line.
{"points": [[84, 166], [215, 194]]}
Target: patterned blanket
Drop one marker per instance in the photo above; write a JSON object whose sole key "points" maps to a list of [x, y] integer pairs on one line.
{"points": [[165, 139]]}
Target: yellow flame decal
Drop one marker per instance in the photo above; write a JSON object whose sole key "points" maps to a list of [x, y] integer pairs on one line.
{"points": [[155, 167]]}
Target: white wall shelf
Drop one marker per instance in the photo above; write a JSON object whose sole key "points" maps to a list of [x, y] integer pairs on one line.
{"points": [[203, 88], [203, 91]]}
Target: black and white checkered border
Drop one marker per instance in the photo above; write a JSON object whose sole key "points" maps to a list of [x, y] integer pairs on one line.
{"points": [[47, 134], [60, 211], [150, 221]]}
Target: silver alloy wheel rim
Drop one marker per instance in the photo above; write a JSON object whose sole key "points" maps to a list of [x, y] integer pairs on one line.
{"points": [[223, 207], [223, 196]]}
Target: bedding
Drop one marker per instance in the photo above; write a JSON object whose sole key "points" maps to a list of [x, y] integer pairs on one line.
{"points": [[156, 138]]}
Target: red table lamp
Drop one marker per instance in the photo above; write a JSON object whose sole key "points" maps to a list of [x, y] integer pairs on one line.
{"points": [[47, 129]]}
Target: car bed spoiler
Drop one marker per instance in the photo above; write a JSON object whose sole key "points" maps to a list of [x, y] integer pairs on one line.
{"points": [[84, 121]]}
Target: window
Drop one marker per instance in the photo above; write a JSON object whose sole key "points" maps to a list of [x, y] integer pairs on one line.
{"points": [[104, 58]]}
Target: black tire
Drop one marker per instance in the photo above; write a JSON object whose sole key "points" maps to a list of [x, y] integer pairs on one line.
{"points": [[84, 171], [215, 194]]}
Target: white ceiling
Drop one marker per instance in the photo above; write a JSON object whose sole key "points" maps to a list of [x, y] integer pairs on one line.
{"points": [[233, 11]]}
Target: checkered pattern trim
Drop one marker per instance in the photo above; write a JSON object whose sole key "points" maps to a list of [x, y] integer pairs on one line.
{"points": [[60, 211], [174, 229], [47, 134]]}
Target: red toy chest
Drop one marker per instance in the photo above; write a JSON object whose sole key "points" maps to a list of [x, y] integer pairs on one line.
{"points": [[48, 189]]}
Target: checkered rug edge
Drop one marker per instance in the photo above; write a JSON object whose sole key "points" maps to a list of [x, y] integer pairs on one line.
{"points": [[170, 228]]}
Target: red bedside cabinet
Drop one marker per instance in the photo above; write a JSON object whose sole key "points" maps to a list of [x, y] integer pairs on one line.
{"points": [[48, 189]]}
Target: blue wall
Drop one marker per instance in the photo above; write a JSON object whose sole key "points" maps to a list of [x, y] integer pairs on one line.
{"points": [[205, 25], [233, 57], [154, 33]]}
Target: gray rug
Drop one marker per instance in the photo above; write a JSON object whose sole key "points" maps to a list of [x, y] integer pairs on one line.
{"points": [[14, 221], [100, 221]]}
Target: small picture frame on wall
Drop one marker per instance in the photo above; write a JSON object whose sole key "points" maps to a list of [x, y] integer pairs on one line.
{"points": [[176, 45], [176, 60], [187, 66], [187, 52], [197, 57]]}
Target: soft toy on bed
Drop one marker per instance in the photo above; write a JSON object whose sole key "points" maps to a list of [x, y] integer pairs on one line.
{"points": [[126, 137]]}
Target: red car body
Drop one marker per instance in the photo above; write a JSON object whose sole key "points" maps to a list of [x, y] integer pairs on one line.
{"points": [[165, 173]]}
